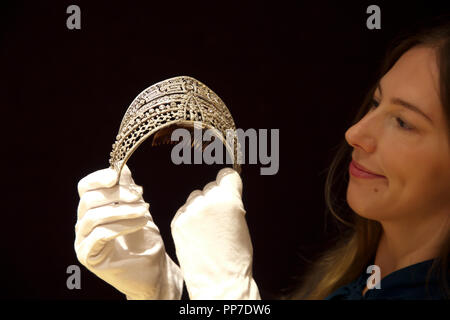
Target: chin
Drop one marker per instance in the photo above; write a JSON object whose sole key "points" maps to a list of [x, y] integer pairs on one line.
{"points": [[362, 204]]}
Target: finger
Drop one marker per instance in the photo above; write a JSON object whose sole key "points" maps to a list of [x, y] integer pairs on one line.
{"points": [[89, 249], [104, 178], [108, 214], [101, 197], [230, 179], [209, 186], [193, 195]]}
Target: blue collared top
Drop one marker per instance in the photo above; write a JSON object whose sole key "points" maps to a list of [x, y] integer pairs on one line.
{"points": [[408, 283]]}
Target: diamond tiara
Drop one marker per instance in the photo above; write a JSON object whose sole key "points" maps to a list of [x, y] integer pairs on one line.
{"points": [[173, 103]]}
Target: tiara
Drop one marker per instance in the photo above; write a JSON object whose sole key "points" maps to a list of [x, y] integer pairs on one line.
{"points": [[179, 102]]}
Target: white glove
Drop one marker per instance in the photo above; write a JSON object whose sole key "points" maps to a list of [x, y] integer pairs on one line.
{"points": [[116, 238], [213, 243]]}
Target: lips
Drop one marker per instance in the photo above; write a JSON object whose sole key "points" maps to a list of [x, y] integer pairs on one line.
{"points": [[359, 171]]}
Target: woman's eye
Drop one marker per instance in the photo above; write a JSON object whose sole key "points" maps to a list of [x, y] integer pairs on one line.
{"points": [[403, 124], [374, 103]]}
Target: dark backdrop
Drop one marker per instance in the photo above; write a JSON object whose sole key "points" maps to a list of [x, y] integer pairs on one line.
{"points": [[300, 67]]}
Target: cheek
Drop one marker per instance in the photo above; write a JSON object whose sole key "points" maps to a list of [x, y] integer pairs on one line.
{"points": [[433, 181], [408, 160], [419, 175]]}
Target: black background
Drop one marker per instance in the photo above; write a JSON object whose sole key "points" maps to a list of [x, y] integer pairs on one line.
{"points": [[301, 67]]}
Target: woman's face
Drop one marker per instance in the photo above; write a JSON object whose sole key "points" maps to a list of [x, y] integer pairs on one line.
{"points": [[403, 139]]}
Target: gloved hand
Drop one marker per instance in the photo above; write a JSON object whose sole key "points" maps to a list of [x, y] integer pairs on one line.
{"points": [[213, 243], [116, 238]]}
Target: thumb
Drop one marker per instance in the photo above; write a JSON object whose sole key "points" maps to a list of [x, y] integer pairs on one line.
{"points": [[126, 176], [104, 178], [230, 179]]}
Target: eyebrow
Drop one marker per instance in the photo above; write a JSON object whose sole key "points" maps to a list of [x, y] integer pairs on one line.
{"points": [[407, 105]]}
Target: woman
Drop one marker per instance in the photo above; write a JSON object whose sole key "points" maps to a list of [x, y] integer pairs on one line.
{"points": [[397, 160], [399, 212]]}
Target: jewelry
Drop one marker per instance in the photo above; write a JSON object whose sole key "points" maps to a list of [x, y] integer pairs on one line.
{"points": [[180, 102]]}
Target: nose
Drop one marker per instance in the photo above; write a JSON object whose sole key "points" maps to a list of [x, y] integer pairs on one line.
{"points": [[361, 135]]}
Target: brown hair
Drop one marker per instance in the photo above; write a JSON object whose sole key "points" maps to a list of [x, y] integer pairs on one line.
{"points": [[357, 244]]}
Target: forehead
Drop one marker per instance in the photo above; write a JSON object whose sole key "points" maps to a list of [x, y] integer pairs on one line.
{"points": [[415, 78]]}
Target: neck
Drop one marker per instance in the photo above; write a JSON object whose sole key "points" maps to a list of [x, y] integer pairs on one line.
{"points": [[405, 244]]}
